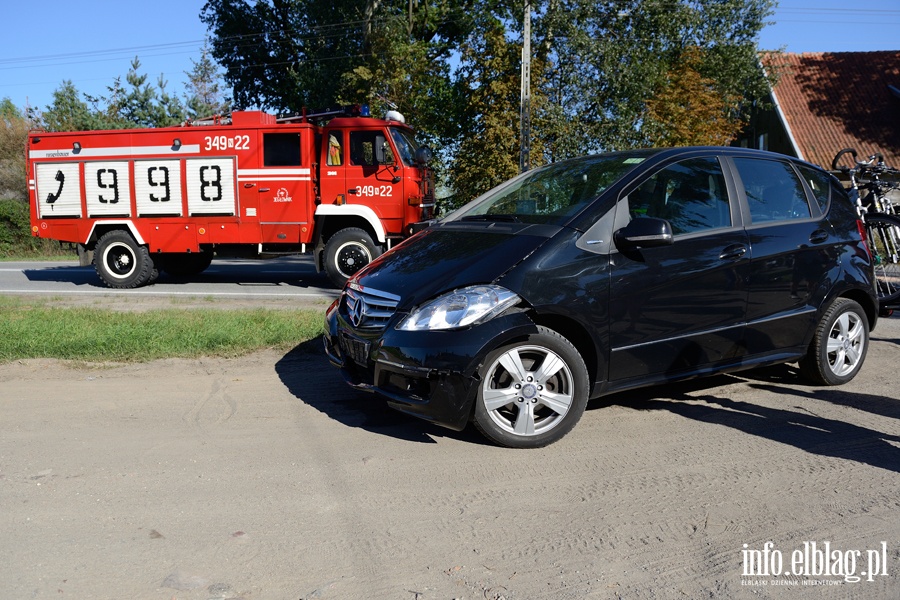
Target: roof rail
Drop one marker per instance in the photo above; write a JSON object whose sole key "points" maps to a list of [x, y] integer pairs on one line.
{"points": [[210, 120], [349, 110]]}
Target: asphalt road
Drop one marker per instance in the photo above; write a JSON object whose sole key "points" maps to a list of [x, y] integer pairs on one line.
{"points": [[281, 279]]}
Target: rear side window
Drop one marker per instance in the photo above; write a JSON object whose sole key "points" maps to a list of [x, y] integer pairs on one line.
{"points": [[819, 183], [774, 192], [690, 194]]}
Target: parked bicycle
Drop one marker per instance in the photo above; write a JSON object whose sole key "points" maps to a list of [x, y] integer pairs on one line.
{"points": [[879, 212]]}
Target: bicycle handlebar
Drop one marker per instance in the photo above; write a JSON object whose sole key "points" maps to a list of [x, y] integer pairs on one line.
{"points": [[837, 157], [875, 164]]}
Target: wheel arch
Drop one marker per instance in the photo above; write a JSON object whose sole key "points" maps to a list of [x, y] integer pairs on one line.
{"points": [[579, 337], [101, 228], [330, 219], [866, 302]]}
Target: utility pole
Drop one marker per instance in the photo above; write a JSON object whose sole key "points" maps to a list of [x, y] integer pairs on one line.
{"points": [[525, 98]]}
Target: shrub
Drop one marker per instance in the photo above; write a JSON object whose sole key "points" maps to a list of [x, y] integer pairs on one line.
{"points": [[15, 233]]}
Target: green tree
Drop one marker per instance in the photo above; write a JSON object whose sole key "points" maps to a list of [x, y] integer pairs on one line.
{"points": [[145, 105], [13, 134], [488, 86], [597, 68], [68, 112], [205, 96], [284, 54], [614, 58], [688, 109]]}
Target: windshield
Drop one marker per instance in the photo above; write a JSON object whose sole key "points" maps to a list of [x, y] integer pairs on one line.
{"points": [[406, 145], [551, 194]]}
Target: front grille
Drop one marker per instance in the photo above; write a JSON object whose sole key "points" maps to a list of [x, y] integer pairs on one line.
{"points": [[368, 309]]}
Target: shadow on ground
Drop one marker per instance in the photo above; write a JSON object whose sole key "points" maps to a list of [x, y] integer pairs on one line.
{"points": [[794, 425], [306, 372], [308, 375]]}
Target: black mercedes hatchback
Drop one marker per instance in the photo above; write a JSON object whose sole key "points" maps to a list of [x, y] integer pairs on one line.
{"points": [[607, 273]]}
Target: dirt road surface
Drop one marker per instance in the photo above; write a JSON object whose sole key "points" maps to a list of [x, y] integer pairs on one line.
{"points": [[266, 477]]}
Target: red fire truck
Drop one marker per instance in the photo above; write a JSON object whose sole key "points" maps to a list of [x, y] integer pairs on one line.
{"points": [[143, 201]]}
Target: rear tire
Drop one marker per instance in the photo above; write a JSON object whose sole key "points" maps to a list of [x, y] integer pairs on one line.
{"points": [[348, 251], [839, 346], [121, 262]]}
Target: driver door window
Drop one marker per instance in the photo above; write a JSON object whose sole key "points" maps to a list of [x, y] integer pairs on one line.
{"points": [[690, 195], [369, 149]]}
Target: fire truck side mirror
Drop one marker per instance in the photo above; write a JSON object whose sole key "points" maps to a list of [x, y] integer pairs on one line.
{"points": [[424, 155]]}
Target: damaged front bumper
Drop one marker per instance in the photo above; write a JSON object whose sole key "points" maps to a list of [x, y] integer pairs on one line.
{"points": [[432, 375]]}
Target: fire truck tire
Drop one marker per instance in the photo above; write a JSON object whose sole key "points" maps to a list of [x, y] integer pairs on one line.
{"points": [[121, 262], [184, 264], [348, 251]]}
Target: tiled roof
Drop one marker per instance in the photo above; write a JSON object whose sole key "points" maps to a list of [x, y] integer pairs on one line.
{"points": [[835, 100]]}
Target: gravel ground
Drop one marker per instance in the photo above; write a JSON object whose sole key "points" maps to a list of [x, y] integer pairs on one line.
{"points": [[266, 477]]}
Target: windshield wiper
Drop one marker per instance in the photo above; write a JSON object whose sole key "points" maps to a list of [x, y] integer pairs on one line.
{"points": [[499, 218]]}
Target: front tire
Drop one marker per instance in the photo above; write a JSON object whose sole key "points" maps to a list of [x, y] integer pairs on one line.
{"points": [[839, 345], [121, 262], [348, 251], [532, 392]]}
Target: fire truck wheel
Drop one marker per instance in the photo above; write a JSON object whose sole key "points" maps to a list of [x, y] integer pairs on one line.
{"points": [[121, 262], [185, 264], [348, 251]]}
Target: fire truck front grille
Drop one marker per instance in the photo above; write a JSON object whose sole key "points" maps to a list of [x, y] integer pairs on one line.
{"points": [[369, 309]]}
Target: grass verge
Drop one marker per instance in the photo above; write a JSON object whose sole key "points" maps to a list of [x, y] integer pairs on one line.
{"points": [[30, 329]]}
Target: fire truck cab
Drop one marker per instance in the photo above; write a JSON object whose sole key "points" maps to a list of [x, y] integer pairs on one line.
{"points": [[145, 201]]}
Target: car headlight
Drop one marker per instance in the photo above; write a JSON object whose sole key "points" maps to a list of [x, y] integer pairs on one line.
{"points": [[466, 306]]}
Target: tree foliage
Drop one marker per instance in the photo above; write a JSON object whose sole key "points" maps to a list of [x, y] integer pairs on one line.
{"points": [[13, 133], [488, 87], [205, 94], [688, 110], [136, 103], [606, 74]]}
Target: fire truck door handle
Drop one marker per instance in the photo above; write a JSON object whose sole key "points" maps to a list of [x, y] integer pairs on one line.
{"points": [[264, 189], [351, 191], [249, 185]]}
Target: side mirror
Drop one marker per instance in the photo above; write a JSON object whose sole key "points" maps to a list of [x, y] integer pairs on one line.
{"points": [[424, 155], [644, 232]]}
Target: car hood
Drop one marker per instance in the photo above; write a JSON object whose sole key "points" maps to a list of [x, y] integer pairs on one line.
{"points": [[447, 257]]}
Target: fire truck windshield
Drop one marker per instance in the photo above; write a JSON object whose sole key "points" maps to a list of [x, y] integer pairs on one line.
{"points": [[406, 145]]}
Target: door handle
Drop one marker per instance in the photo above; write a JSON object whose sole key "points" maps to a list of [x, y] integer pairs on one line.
{"points": [[264, 189], [351, 191], [818, 236], [733, 252], [249, 185]]}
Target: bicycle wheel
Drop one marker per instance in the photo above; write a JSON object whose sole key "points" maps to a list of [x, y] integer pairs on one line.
{"points": [[883, 232]]}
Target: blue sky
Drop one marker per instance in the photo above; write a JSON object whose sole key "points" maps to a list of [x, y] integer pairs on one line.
{"points": [[93, 41]]}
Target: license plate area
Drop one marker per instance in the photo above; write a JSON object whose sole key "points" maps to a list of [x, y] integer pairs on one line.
{"points": [[354, 348]]}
